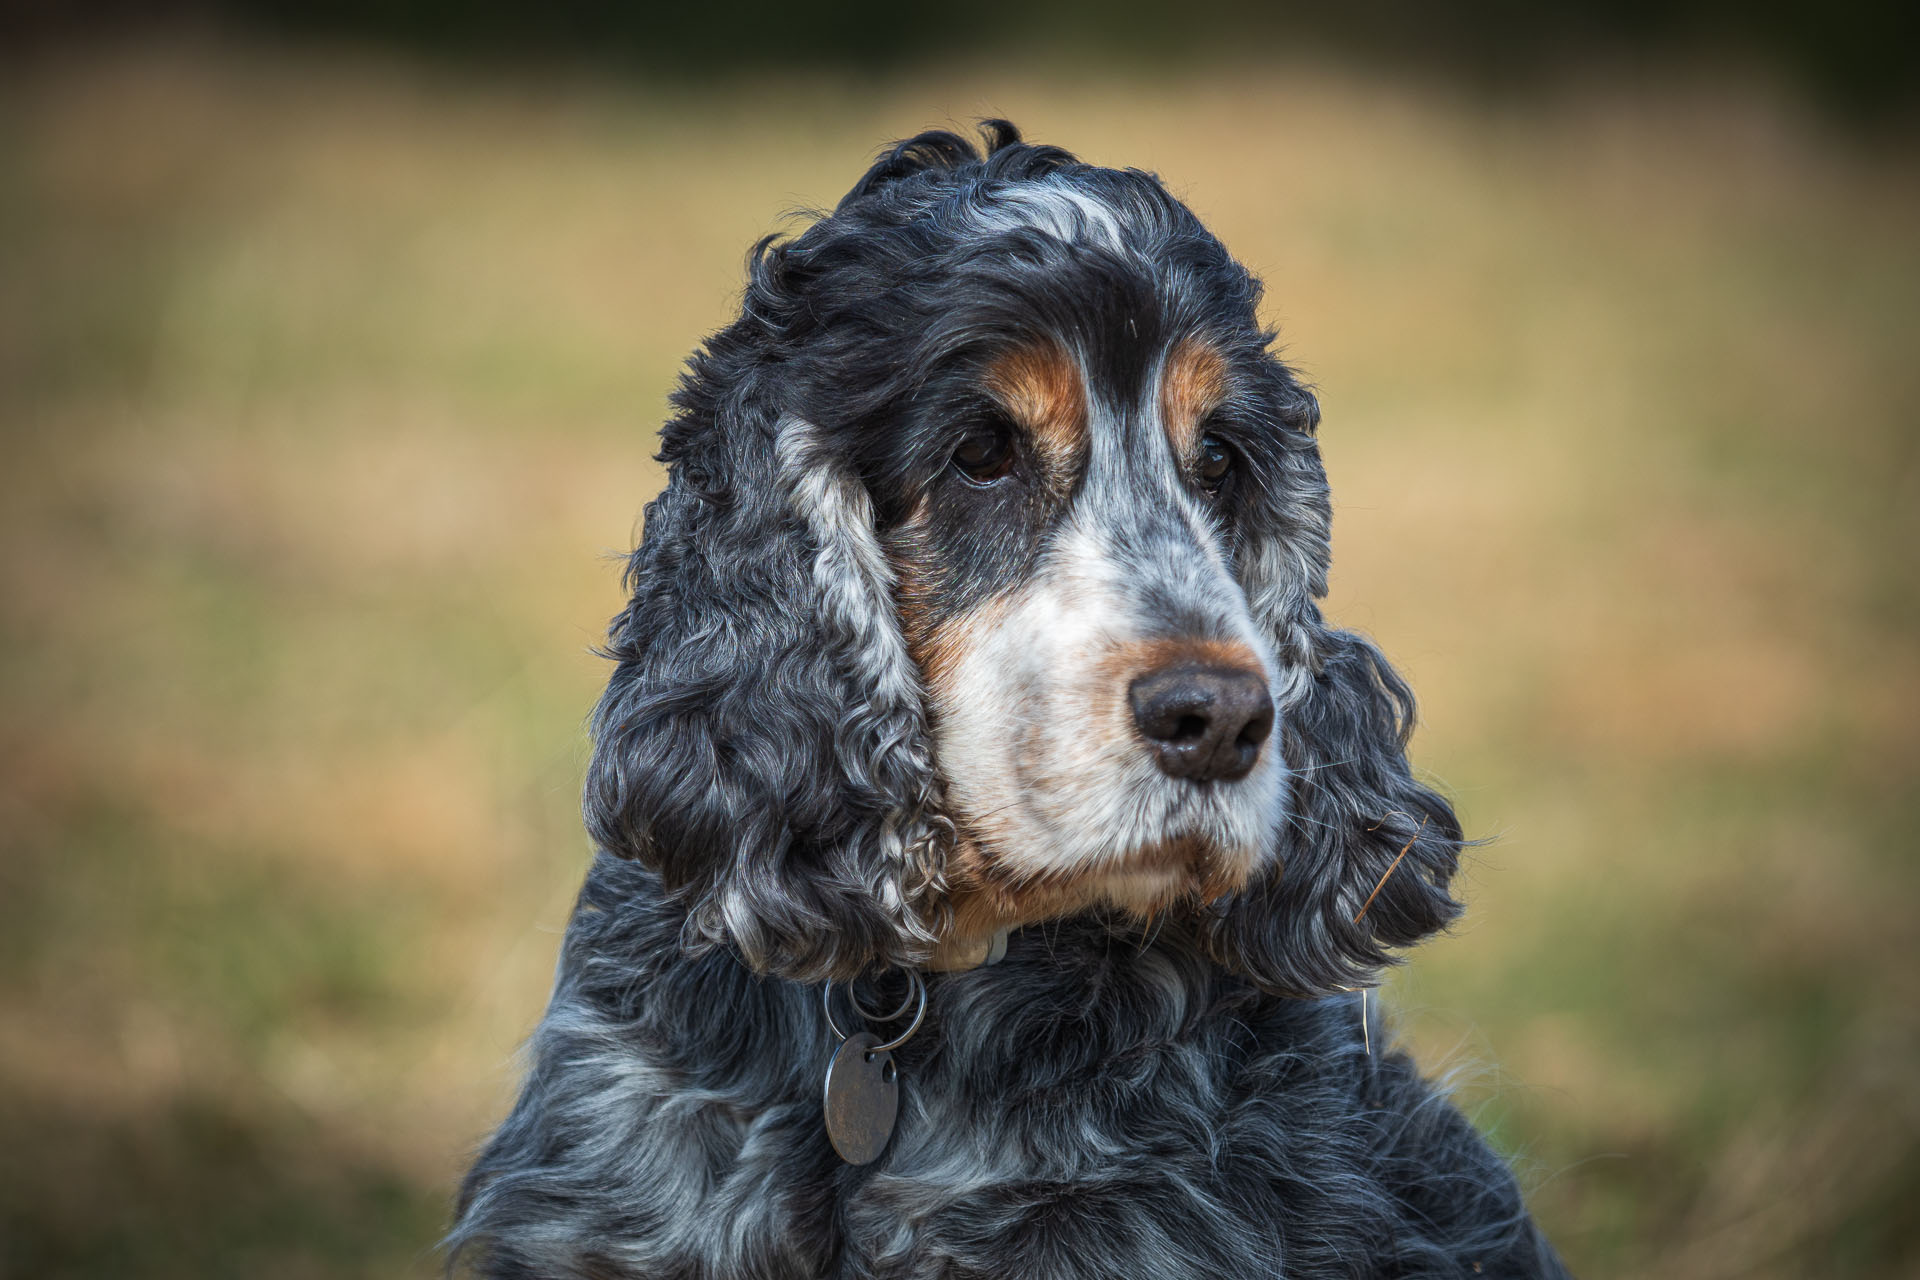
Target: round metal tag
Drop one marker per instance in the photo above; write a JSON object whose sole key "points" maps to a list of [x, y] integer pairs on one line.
{"points": [[862, 1099]]}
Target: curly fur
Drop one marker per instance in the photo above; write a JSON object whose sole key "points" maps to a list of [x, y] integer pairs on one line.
{"points": [[1185, 1091]]}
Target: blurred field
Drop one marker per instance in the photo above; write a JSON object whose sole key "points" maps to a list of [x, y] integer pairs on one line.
{"points": [[326, 385]]}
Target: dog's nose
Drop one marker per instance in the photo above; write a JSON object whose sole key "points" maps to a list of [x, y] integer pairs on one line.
{"points": [[1203, 722]]}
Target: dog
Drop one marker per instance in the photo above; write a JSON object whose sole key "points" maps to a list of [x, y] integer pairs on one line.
{"points": [[973, 665]]}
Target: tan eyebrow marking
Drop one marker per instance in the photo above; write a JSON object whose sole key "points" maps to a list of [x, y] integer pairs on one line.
{"points": [[1193, 383], [1040, 387]]}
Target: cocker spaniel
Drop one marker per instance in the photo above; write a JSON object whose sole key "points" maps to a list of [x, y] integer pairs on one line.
{"points": [[995, 841]]}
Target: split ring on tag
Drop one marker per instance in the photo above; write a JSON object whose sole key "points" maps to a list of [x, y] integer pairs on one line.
{"points": [[918, 991], [861, 1097], [914, 988]]}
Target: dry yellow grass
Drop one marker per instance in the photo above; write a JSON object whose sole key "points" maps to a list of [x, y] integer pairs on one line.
{"points": [[327, 383]]}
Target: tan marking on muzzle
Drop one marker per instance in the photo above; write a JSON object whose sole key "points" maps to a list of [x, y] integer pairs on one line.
{"points": [[937, 648], [915, 581], [1129, 662], [1193, 383], [941, 648]]}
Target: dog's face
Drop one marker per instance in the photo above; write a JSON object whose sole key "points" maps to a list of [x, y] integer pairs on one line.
{"points": [[983, 593], [1101, 699]]}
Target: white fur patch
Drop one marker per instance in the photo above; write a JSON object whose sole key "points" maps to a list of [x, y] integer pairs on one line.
{"points": [[1061, 211]]}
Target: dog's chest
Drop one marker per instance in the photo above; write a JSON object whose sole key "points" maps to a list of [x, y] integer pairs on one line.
{"points": [[1103, 1152], [1063, 1195]]}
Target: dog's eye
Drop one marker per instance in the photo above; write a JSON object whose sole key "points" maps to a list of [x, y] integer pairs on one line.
{"points": [[1214, 463], [985, 454]]}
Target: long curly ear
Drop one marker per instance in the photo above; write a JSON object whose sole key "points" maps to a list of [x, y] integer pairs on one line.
{"points": [[762, 741], [1368, 851]]}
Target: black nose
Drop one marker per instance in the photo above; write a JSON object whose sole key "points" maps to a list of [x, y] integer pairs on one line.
{"points": [[1203, 722]]}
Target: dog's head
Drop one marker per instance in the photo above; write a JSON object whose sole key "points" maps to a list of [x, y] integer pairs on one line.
{"points": [[983, 592]]}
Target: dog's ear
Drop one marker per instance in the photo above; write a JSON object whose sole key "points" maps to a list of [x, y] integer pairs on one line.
{"points": [[762, 741], [1368, 851]]}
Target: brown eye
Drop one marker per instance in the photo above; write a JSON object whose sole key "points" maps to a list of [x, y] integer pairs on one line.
{"points": [[1214, 463], [985, 454]]}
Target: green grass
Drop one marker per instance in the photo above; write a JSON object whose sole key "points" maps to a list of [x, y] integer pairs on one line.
{"points": [[328, 385]]}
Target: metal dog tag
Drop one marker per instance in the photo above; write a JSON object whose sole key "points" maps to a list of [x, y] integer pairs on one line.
{"points": [[863, 1099]]}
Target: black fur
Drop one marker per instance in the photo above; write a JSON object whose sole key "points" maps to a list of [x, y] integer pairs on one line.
{"points": [[1190, 1099]]}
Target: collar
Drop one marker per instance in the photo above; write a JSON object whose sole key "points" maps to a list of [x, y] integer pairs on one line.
{"points": [[979, 954]]}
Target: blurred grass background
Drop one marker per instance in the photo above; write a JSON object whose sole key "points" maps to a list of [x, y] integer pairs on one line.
{"points": [[329, 382]]}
